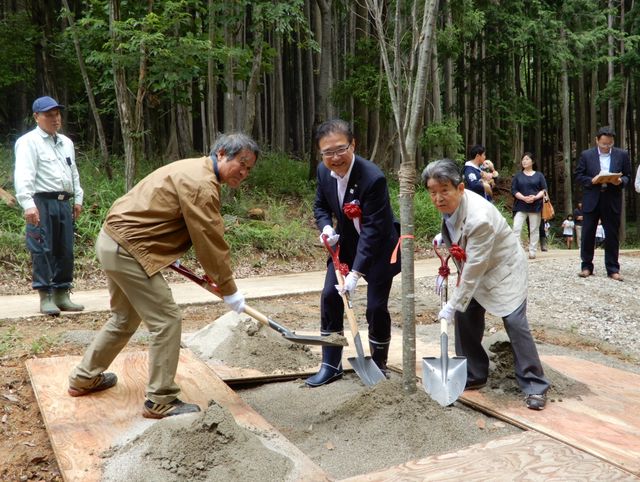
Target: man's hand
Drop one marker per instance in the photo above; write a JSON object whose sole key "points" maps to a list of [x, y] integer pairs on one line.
{"points": [[235, 301], [438, 242], [330, 233], [350, 283], [447, 313], [77, 210], [32, 216]]}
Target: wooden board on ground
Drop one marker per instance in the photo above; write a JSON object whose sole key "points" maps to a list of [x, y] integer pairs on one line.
{"points": [[82, 428], [525, 456], [604, 423]]}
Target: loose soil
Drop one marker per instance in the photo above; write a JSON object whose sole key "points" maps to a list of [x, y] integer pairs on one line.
{"points": [[560, 326]]}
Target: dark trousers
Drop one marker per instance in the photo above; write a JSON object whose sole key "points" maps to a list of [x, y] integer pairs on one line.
{"points": [[378, 317], [51, 245], [611, 225], [469, 332]]}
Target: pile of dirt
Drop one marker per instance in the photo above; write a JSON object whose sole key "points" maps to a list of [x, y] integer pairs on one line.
{"points": [[205, 446], [246, 343], [502, 379], [349, 429]]}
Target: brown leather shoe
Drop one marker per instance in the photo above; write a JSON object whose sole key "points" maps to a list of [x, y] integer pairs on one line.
{"points": [[585, 273], [616, 276]]}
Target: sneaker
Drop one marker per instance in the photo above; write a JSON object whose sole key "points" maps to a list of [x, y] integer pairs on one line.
{"points": [[161, 410], [536, 401], [101, 382]]}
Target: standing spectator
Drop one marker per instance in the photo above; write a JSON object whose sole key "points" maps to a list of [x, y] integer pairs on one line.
{"points": [[366, 242], [46, 178], [577, 219], [527, 188], [600, 235], [493, 278], [602, 201], [475, 178], [172, 209], [567, 230]]}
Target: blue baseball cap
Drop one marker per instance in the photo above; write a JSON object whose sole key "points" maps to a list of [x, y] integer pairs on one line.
{"points": [[46, 103]]}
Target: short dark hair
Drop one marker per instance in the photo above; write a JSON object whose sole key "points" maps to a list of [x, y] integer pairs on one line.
{"points": [[476, 151], [333, 126], [233, 143], [605, 131], [442, 171], [533, 161]]}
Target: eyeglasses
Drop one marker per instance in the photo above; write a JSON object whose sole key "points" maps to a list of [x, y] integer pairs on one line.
{"points": [[335, 152]]}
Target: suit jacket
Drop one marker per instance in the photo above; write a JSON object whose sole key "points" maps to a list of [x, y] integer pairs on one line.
{"points": [[589, 166], [370, 251], [495, 272]]}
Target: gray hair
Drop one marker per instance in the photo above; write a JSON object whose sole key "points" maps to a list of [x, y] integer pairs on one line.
{"points": [[233, 143], [442, 171]]}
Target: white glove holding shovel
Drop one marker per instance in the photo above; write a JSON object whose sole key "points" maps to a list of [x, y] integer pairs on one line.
{"points": [[350, 283], [235, 301], [447, 312], [330, 233]]}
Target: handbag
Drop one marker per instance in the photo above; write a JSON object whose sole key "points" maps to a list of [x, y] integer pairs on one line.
{"points": [[547, 208]]}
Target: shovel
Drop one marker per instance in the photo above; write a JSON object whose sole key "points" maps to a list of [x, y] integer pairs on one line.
{"points": [[444, 378], [206, 283], [364, 366]]}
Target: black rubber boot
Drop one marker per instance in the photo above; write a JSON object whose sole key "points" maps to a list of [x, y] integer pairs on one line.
{"points": [[379, 354], [331, 368]]}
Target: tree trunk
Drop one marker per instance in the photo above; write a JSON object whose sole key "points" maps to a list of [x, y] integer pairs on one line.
{"points": [[212, 87], [122, 99], [566, 135], [102, 140]]}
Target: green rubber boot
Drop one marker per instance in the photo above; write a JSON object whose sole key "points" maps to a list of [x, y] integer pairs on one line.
{"points": [[47, 305], [62, 301]]}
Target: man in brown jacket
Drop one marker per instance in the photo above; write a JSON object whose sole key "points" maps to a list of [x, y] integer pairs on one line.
{"points": [[173, 208]]}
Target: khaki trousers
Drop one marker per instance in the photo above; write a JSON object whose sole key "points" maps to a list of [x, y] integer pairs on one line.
{"points": [[135, 297]]}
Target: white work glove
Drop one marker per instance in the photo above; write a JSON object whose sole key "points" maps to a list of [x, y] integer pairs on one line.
{"points": [[235, 301], [438, 241], [332, 237], [350, 283], [447, 313]]}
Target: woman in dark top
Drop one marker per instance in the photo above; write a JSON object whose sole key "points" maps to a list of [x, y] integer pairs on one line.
{"points": [[528, 188]]}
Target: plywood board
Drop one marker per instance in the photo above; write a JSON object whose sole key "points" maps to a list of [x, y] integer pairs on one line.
{"points": [[81, 428], [525, 456], [604, 423]]}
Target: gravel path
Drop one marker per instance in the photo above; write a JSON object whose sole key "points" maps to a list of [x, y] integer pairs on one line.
{"points": [[596, 307]]}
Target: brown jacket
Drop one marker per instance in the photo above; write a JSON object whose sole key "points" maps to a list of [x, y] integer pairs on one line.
{"points": [[173, 208]]}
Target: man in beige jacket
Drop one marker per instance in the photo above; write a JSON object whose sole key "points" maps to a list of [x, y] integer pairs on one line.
{"points": [[173, 208], [493, 278]]}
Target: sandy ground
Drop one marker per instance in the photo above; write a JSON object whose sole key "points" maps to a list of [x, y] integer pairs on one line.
{"points": [[345, 427]]}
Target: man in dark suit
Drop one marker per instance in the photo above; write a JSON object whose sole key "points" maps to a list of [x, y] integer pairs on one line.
{"points": [[366, 242], [602, 201]]}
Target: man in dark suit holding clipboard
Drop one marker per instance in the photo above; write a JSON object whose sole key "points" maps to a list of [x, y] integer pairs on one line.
{"points": [[603, 172]]}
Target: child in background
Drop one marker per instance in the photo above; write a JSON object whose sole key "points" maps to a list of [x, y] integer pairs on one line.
{"points": [[599, 235], [567, 230]]}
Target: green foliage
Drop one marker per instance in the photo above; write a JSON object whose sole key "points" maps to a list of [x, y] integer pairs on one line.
{"points": [[446, 137], [16, 54], [427, 219], [365, 82], [42, 344], [279, 175], [9, 340]]}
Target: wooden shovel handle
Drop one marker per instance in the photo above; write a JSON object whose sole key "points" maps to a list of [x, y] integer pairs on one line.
{"points": [[353, 324]]}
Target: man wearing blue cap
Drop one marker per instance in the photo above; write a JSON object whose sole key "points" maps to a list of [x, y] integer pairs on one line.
{"points": [[46, 178]]}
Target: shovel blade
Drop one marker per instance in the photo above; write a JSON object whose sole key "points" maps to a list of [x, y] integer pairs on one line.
{"points": [[367, 370], [444, 385]]}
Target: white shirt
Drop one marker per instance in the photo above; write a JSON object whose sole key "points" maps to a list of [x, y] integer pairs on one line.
{"points": [[45, 165], [605, 160], [343, 181]]}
